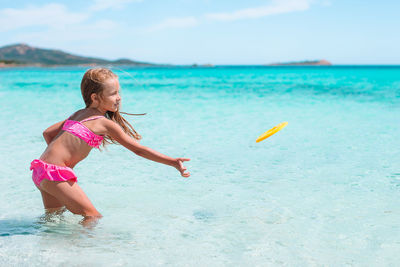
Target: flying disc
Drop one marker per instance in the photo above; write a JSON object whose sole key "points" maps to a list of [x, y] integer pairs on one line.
{"points": [[271, 131]]}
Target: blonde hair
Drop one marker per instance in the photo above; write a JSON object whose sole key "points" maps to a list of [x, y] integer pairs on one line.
{"points": [[92, 82]]}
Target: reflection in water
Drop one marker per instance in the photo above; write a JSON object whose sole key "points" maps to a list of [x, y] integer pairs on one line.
{"points": [[51, 222], [90, 221], [11, 227]]}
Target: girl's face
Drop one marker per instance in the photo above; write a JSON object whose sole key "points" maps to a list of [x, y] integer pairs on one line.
{"points": [[110, 99]]}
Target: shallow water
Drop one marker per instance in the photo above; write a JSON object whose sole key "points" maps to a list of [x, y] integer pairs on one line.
{"points": [[323, 191]]}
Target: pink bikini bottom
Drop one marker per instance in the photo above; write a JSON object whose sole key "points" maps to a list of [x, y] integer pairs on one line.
{"points": [[43, 170]]}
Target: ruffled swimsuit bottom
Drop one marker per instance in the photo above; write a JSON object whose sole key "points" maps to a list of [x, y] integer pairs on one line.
{"points": [[43, 170]]}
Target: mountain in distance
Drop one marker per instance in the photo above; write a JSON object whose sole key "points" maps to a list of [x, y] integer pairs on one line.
{"points": [[322, 62], [23, 54]]}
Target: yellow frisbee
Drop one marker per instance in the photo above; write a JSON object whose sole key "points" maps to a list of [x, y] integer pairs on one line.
{"points": [[271, 131]]}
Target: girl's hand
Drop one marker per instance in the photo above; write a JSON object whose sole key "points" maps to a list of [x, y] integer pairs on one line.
{"points": [[179, 166]]}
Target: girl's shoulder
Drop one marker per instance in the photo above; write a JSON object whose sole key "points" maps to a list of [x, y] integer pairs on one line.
{"points": [[85, 115], [77, 113]]}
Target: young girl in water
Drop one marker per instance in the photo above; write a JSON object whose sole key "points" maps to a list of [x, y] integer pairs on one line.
{"points": [[70, 141]]}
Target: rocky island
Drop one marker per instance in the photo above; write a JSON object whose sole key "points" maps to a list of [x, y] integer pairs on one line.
{"points": [[322, 62]]}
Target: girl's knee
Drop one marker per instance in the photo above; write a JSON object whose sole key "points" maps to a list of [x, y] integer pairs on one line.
{"points": [[85, 212], [92, 213]]}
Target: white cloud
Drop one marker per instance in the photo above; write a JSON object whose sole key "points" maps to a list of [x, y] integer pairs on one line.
{"points": [[108, 4], [53, 24], [53, 15], [97, 31], [50, 15], [184, 22], [277, 7]]}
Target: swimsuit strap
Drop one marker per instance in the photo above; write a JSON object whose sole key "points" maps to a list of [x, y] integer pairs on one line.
{"points": [[89, 119]]}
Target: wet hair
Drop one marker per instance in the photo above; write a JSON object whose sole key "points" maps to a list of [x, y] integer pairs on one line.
{"points": [[93, 82]]}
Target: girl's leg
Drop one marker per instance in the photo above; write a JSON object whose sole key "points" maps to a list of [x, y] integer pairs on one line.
{"points": [[72, 196], [50, 203]]}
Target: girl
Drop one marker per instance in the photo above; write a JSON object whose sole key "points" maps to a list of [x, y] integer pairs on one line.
{"points": [[71, 140]]}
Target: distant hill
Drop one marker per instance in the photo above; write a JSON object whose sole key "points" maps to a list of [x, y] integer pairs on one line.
{"points": [[23, 54], [322, 62]]}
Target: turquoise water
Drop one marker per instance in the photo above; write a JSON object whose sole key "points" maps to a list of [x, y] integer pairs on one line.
{"points": [[322, 192]]}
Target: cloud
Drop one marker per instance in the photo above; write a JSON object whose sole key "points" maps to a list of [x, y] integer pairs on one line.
{"points": [[170, 23], [277, 7], [107, 4], [49, 15], [54, 23], [97, 31], [52, 15]]}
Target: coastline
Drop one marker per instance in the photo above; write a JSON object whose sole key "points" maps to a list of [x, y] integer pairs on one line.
{"points": [[344, 66]]}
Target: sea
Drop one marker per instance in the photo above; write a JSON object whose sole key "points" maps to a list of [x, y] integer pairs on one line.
{"points": [[323, 191]]}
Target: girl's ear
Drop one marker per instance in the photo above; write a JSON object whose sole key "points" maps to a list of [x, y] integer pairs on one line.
{"points": [[94, 98]]}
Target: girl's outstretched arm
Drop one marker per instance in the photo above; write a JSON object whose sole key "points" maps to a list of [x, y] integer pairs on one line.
{"points": [[52, 131], [116, 132]]}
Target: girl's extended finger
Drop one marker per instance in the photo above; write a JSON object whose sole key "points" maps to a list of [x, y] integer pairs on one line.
{"points": [[183, 159]]}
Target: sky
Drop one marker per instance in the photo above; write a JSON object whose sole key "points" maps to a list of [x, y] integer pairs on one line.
{"points": [[219, 32]]}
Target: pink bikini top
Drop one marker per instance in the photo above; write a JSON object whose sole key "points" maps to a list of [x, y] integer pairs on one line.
{"points": [[78, 129]]}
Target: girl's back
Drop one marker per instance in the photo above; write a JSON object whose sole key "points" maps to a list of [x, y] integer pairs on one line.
{"points": [[67, 149]]}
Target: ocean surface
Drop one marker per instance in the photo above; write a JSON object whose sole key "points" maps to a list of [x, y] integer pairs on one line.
{"points": [[324, 191]]}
